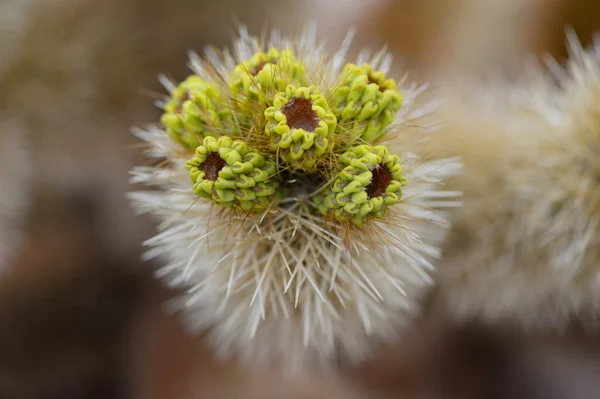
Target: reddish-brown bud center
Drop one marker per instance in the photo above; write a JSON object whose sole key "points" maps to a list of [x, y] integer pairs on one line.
{"points": [[212, 166], [300, 115], [379, 182], [377, 82], [259, 67], [183, 100]]}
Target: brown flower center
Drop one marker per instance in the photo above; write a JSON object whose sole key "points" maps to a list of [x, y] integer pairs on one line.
{"points": [[379, 182], [372, 80], [179, 109], [300, 115], [213, 164], [259, 67]]}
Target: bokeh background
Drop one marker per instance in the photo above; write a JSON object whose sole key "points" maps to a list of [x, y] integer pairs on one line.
{"points": [[82, 317]]}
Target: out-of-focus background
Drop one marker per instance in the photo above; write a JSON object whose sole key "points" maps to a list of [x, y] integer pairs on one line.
{"points": [[82, 317]]}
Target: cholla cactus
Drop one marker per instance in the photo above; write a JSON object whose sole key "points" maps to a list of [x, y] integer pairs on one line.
{"points": [[527, 242], [196, 109], [270, 276], [367, 102], [301, 126]]}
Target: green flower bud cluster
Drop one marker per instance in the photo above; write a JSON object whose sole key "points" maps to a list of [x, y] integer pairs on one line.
{"points": [[366, 102], [371, 180], [196, 110], [301, 126], [256, 81], [232, 174], [244, 129]]}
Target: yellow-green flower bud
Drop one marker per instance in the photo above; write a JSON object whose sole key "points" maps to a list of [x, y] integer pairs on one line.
{"points": [[366, 102], [369, 182], [301, 126], [196, 110], [255, 81], [231, 174]]}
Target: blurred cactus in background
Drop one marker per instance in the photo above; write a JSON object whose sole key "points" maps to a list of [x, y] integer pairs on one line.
{"points": [[526, 242]]}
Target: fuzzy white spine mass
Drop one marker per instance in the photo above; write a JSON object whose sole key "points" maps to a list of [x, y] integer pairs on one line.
{"points": [[292, 286], [526, 244]]}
